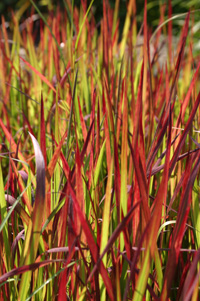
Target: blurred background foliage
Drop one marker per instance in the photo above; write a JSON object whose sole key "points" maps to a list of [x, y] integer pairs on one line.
{"points": [[178, 7]]}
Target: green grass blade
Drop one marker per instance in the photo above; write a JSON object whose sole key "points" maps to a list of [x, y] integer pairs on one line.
{"points": [[4, 224]]}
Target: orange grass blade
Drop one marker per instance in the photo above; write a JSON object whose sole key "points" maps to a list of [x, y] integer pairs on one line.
{"points": [[79, 191]]}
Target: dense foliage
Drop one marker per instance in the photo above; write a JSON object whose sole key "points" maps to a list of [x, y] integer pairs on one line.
{"points": [[99, 157]]}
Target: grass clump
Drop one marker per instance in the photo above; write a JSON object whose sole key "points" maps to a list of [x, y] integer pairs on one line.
{"points": [[99, 168]]}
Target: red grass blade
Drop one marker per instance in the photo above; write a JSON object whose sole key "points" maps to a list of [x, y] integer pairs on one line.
{"points": [[107, 136], [26, 268], [142, 181], [92, 244], [184, 134], [42, 133], [113, 237], [191, 279], [179, 230]]}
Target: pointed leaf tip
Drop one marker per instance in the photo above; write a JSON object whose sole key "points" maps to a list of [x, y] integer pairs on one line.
{"points": [[40, 166]]}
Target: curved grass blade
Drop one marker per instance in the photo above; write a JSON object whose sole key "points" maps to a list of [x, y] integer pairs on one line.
{"points": [[26, 268], [167, 21], [49, 280], [35, 225]]}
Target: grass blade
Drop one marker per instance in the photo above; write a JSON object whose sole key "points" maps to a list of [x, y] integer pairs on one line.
{"points": [[35, 225]]}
